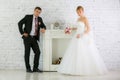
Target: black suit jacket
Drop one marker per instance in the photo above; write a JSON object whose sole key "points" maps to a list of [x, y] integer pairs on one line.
{"points": [[27, 21]]}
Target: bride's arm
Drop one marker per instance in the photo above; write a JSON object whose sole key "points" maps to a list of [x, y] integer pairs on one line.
{"points": [[74, 28], [87, 26]]}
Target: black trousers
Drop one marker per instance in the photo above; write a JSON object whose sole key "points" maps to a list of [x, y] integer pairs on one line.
{"points": [[31, 42]]}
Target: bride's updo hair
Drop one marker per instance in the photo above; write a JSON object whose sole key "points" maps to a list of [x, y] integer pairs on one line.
{"points": [[79, 7]]}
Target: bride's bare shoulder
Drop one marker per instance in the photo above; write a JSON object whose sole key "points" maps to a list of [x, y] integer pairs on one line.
{"points": [[85, 18]]}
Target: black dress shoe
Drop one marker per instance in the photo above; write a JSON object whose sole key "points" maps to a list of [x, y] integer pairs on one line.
{"points": [[29, 71], [37, 70]]}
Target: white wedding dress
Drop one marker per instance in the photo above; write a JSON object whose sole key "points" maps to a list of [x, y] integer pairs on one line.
{"points": [[81, 56]]}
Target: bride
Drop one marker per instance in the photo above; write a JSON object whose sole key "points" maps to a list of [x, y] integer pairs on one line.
{"points": [[81, 56]]}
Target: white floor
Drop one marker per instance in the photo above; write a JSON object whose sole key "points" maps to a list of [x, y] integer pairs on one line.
{"points": [[22, 75]]}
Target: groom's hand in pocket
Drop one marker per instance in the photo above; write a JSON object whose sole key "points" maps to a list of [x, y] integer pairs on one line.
{"points": [[78, 36], [42, 30], [25, 34]]}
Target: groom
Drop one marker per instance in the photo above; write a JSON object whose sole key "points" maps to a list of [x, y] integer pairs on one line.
{"points": [[33, 25]]}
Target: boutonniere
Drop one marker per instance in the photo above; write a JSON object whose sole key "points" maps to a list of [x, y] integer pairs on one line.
{"points": [[39, 23]]}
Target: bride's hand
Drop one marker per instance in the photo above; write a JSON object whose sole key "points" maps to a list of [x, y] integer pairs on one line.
{"points": [[74, 28], [78, 36]]}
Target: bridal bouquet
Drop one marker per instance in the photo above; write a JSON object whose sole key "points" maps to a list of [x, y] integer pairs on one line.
{"points": [[68, 30]]}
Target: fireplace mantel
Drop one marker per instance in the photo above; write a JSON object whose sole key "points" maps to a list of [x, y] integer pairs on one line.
{"points": [[55, 43]]}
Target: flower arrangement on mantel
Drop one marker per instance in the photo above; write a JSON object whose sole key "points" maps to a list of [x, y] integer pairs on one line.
{"points": [[68, 30]]}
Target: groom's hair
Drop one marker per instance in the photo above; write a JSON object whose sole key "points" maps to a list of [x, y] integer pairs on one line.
{"points": [[38, 8]]}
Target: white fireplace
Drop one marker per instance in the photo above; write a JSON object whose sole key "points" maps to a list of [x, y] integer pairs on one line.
{"points": [[55, 43]]}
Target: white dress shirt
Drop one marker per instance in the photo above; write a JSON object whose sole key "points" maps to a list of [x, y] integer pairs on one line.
{"points": [[32, 33]]}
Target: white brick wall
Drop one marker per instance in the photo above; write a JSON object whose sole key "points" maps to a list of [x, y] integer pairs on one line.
{"points": [[104, 17]]}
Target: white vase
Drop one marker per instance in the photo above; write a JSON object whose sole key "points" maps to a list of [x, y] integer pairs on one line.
{"points": [[51, 26]]}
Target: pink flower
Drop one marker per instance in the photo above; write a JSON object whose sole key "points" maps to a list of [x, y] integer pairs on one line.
{"points": [[67, 30]]}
